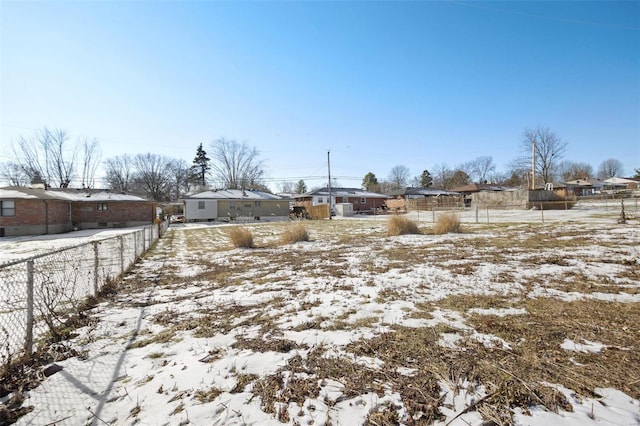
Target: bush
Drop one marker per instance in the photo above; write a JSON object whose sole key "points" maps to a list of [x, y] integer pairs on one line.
{"points": [[294, 234], [398, 225], [446, 223], [241, 237]]}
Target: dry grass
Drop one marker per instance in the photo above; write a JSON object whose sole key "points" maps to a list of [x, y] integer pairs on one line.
{"points": [[240, 237], [294, 234], [517, 375], [447, 223], [399, 225]]}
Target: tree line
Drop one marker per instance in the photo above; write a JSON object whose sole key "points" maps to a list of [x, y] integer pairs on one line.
{"points": [[541, 150], [52, 158]]}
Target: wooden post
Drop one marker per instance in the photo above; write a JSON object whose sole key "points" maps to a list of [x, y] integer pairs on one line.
{"points": [[477, 214], [28, 341], [542, 211]]}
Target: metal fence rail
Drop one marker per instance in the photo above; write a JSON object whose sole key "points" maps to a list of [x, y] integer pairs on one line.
{"points": [[37, 291]]}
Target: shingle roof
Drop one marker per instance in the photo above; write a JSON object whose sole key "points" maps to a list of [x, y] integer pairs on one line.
{"points": [[66, 194], [233, 194], [342, 192]]}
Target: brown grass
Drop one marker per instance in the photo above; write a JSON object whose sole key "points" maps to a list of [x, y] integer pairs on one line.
{"points": [[447, 223], [240, 237], [398, 225], [294, 234]]}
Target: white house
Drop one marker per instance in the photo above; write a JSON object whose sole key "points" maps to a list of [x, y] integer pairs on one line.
{"points": [[230, 204]]}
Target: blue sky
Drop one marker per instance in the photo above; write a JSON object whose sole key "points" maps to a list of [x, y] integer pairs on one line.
{"points": [[380, 84]]}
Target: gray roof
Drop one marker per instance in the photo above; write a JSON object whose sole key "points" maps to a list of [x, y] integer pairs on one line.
{"points": [[426, 192], [342, 192], [66, 194], [233, 194]]}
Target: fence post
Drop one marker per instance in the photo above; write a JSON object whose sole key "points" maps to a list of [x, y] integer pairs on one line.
{"points": [[28, 340], [433, 213], [542, 211], [477, 214], [487, 214], [121, 254], [96, 265]]}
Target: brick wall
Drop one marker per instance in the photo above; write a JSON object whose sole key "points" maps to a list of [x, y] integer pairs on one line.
{"points": [[36, 212], [34, 217], [117, 212]]}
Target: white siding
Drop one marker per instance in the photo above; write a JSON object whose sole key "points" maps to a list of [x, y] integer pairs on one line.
{"points": [[193, 212]]}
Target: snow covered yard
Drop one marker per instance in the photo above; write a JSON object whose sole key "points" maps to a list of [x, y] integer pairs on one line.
{"points": [[519, 323]]}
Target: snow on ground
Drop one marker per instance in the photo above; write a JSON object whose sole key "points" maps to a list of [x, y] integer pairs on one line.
{"points": [[15, 248], [201, 333]]}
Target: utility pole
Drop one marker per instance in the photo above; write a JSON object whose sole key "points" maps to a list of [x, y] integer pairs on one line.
{"points": [[329, 184]]}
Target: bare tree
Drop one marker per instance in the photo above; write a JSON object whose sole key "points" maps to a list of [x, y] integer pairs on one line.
{"points": [[235, 164], [153, 174], [49, 154], [570, 170], [90, 160], [481, 168], [287, 187], [182, 179], [13, 174], [63, 157], [610, 168], [119, 173], [498, 178], [442, 176], [399, 176], [548, 148]]}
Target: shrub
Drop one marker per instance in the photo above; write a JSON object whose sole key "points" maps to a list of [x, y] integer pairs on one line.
{"points": [[398, 225], [446, 223], [241, 237], [295, 233]]}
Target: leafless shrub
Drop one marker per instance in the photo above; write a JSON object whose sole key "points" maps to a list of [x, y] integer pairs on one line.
{"points": [[399, 225], [240, 237], [294, 234], [446, 223]]}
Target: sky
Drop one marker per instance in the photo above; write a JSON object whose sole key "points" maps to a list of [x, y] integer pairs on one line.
{"points": [[375, 83]]}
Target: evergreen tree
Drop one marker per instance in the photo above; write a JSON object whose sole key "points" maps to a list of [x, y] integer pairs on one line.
{"points": [[200, 166], [425, 179], [369, 181], [301, 187]]}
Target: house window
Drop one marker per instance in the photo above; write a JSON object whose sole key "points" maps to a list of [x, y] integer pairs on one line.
{"points": [[232, 205], [7, 208], [200, 205], [102, 207], [363, 200], [256, 204], [320, 200]]}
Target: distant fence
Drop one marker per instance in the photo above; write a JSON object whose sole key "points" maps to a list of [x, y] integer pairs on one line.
{"points": [[537, 211], [36, 292]]}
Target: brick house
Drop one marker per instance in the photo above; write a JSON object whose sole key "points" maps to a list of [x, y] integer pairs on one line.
{"points": [[35, 211]]}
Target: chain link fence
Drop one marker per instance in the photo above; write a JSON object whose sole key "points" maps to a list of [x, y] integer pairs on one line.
{"points": [[36, 292], [536, 211]]}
